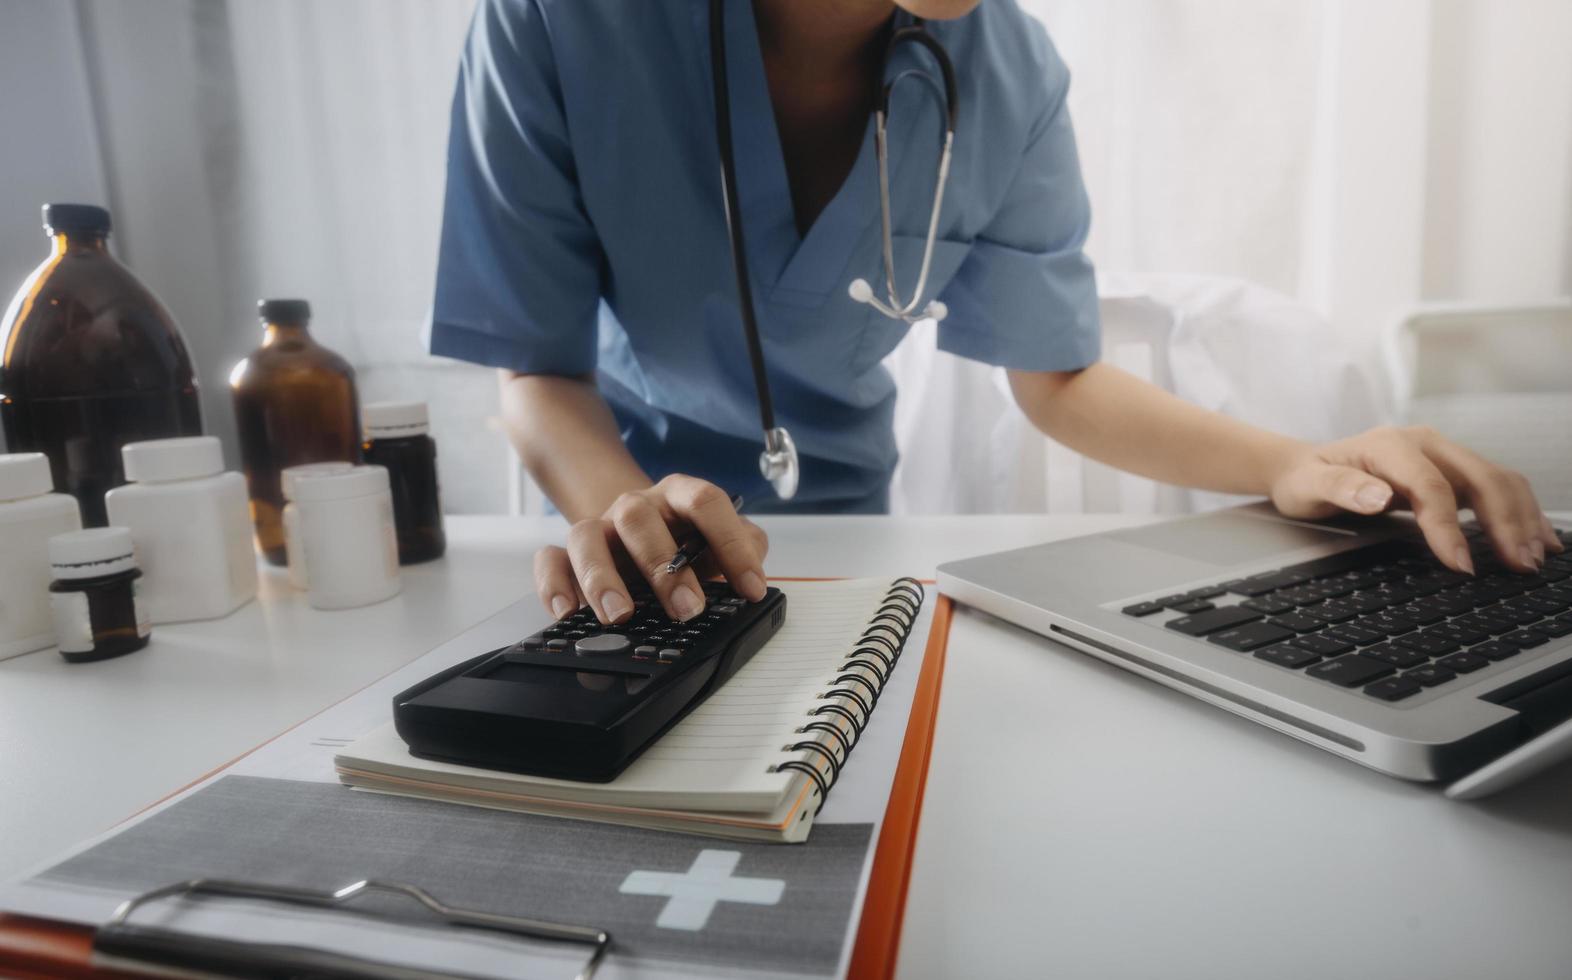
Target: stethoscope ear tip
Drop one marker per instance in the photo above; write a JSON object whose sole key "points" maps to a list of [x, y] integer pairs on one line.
{"points": [[937, 310], [860, 291]]}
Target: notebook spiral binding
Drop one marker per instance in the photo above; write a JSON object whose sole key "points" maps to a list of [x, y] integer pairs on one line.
{"points": [[854, 693]]}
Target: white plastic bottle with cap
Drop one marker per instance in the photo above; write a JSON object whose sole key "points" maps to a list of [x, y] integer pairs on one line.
{"points": [[191, 523], [346, 535], [30, 514], [291, 518]]}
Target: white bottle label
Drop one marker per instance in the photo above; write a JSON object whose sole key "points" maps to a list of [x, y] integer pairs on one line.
{"points": [[73, 621], [144, 622]]}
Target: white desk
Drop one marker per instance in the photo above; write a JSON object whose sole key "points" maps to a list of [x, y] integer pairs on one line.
{"points": [[1079, 821]]}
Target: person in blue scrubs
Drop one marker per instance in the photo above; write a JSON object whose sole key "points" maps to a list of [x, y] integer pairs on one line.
{"points": [[584, 253]]}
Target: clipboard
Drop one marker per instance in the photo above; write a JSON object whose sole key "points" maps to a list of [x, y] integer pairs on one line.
{"points": [[37, 948]]}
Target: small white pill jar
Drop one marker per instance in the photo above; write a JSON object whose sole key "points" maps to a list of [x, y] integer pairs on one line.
{"points": [[30, 514], [191, 524], [291, 516], [344, 523]]}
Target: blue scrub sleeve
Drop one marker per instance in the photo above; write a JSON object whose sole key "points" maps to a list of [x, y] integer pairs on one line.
{"points": [[519, 264], [1026, 295]]}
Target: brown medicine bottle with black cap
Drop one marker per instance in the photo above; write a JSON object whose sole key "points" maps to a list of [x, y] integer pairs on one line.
{"points": [[398, 437], [295, 403], [91, 361]]}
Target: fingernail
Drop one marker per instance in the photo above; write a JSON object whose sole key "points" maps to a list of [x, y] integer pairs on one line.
{"points": [[613, 605], [686, 602], [1538, 548], [1464, 560], [1525, 554], [561, 606], [1372, 496], [752, 586]]}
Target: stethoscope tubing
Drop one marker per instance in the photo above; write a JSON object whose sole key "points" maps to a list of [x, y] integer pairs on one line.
{"points": [[734, 233], [779, 461]]}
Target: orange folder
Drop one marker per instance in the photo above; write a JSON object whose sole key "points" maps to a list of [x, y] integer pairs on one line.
{"points": [[33, 949]]}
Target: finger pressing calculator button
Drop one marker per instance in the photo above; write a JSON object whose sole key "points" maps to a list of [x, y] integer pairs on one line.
{"points": [[601, 645]]}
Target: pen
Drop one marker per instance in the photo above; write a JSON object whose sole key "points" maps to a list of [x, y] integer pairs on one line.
{"points": [[695, 546]]}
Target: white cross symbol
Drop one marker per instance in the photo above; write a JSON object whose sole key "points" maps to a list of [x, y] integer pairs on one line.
{"points": [[695, 893]]}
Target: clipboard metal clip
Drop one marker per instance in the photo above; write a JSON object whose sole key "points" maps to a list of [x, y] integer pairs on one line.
{"points": [[118, 942]]}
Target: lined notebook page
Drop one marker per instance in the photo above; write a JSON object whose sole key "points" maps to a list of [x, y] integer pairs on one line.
{"points": [[719, 757]]}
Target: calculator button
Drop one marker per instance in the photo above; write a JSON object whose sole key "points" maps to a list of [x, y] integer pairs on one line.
{"points": [[669, 654], [601, 645], [646, 651], [532, 643], [557, 644]]}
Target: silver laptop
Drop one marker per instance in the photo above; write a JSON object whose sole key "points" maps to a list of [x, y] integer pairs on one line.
{"points": [[1344, 634]]}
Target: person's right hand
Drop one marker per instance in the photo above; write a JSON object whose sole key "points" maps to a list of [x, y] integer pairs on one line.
{"points": [[633, 541]]}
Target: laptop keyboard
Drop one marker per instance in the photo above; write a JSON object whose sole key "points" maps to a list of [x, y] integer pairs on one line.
{"points": [[1387, 619]]}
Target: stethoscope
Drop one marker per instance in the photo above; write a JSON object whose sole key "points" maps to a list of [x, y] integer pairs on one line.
{"points": [[778, 462]]}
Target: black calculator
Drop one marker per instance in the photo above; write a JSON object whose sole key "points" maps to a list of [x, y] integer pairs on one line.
{"points": [[579, 700]]}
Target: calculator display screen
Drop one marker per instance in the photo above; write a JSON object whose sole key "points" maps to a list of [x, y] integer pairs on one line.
{"points": [[564, 677]]}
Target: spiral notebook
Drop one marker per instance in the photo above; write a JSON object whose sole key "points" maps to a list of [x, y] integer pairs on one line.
{"points": [[753, 762]]}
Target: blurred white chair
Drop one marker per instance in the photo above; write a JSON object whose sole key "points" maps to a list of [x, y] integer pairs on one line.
{"points": [[1495, 378], [1225, 344]]}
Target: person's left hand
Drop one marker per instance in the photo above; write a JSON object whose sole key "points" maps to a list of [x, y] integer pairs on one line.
{"points": [[1421, 470]]}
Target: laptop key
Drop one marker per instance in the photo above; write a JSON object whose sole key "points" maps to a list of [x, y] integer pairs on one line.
{"points": [[1207, 592], [1464, 633], [1142, 609], [1388, 623], [1333, 611], [1249, 636], [1212, 620], [1431, 675], [1399, 657], [1288, 655], [1351, 671], [1298, 622], [1463, 663], [1526, 639], [1496, 650], [1431, 643], [1355, 634], [1322, 645], [1368, 602], [1251, 587], [1555, 628], [1270, 605], [1192, 606], [1394, 689]]}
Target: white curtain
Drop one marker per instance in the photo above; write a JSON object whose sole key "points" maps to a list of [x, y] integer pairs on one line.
{"points": [[1355, 157]]}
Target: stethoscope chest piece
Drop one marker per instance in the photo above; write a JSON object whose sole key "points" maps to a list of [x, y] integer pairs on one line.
{"points": [[778, 463]]}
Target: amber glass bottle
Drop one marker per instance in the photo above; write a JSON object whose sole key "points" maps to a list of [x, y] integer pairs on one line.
{"points": [[295, 403], [91, 361]]}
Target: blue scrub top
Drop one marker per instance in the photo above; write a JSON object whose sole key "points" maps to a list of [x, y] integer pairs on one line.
{"points": [[584, 233]]}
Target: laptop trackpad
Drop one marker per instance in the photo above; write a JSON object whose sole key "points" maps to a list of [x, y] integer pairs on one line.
{"points": [[1228, 538]]}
